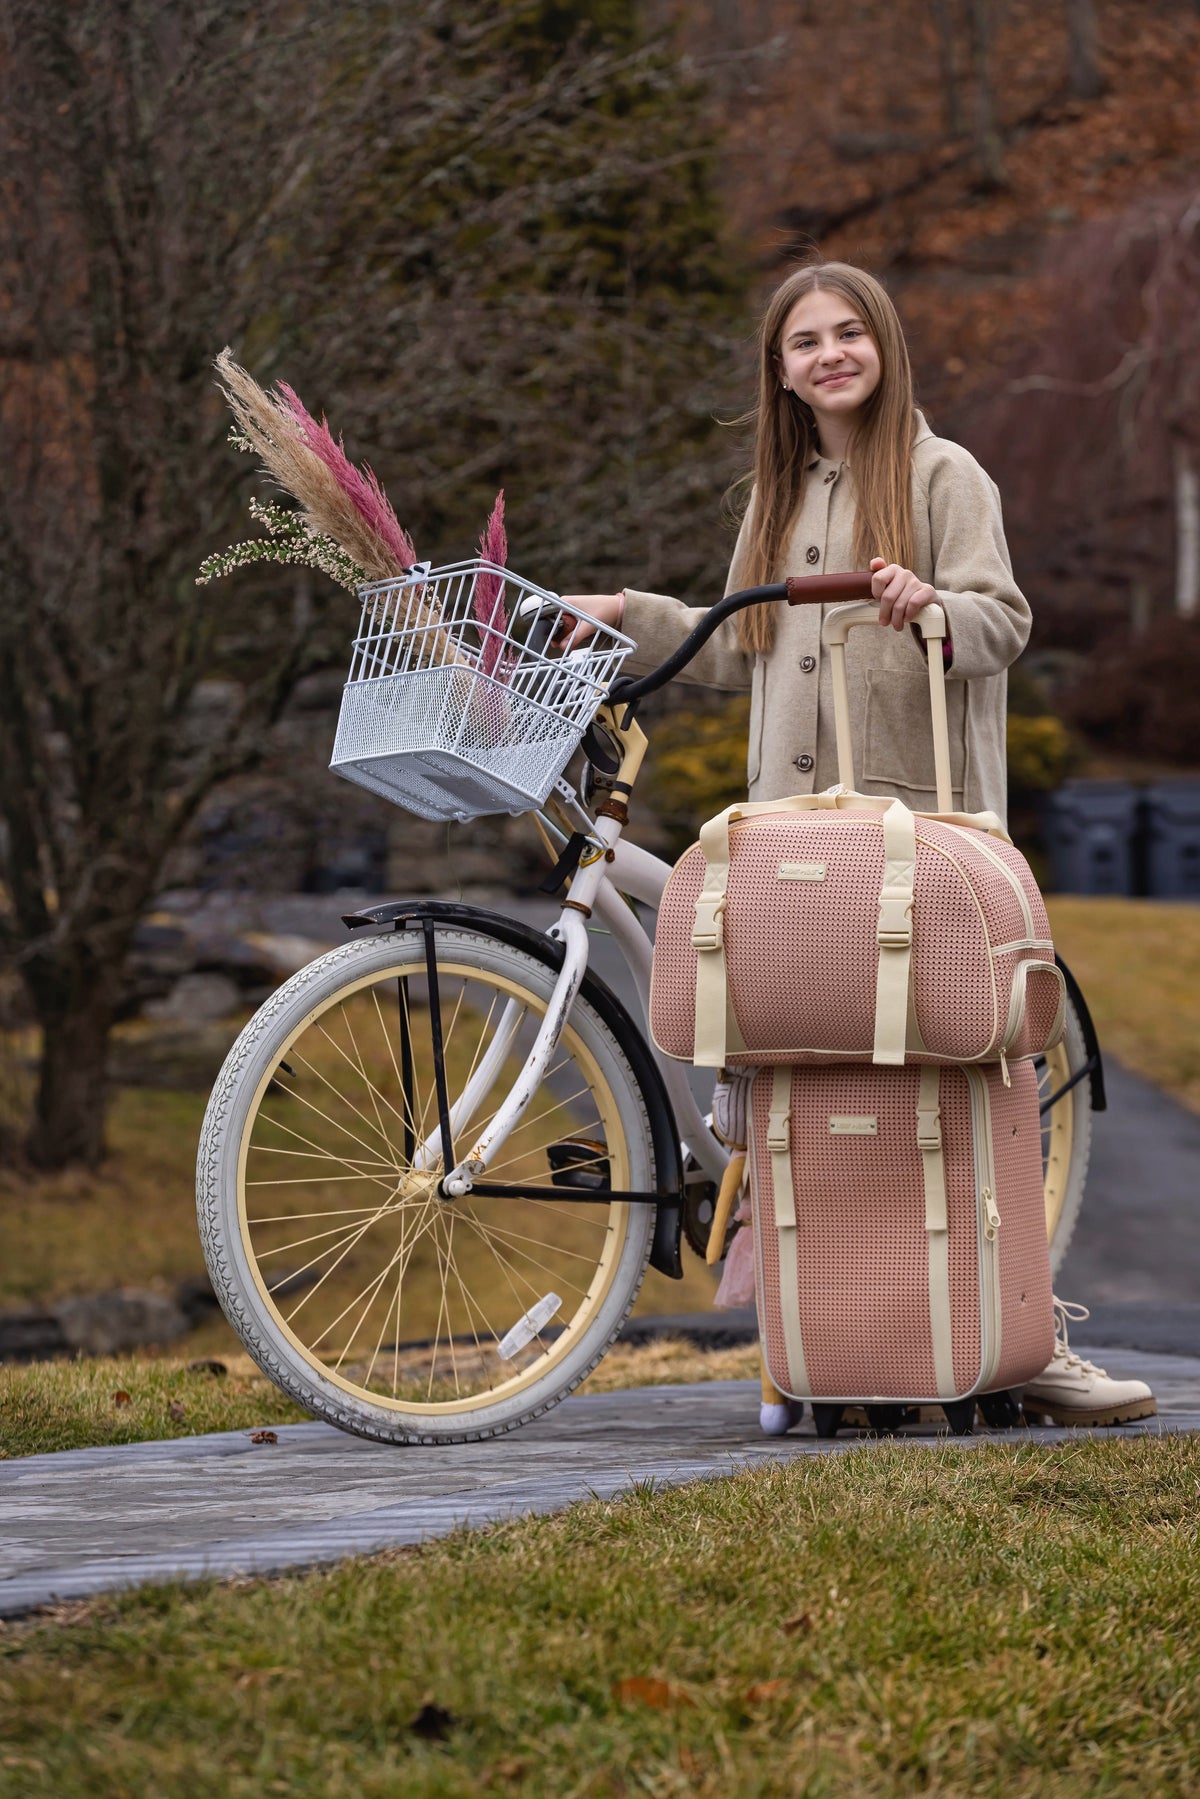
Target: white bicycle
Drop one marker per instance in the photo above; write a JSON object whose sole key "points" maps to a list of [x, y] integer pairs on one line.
{"points": [[438, 1161]]}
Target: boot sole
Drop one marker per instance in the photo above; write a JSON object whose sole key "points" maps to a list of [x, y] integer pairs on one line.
{"points": [[1041, 1412]]}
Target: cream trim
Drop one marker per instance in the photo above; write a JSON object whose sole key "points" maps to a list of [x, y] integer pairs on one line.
{"points": [[939, 1314], [937, 1226], [894, 934], [779, 1145], [929, 1142]]}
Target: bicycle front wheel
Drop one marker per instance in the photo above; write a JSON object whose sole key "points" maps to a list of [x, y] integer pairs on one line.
{"points": [[375, 1303]]}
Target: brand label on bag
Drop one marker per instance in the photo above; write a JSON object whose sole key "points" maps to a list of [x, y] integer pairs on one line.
{"points": [[802, 871], [853, 1125]]}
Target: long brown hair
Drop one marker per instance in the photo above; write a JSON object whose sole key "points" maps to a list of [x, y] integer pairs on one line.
{"points": [[786, 441]]}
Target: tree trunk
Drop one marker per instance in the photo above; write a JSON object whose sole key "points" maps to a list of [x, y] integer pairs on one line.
{"points": [[1187, 530], [948, 68], [1084, 80], [72, 1095], [987, 134]]}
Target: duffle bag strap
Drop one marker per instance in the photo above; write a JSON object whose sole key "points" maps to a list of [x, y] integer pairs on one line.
{"points": [[716, 1031]]}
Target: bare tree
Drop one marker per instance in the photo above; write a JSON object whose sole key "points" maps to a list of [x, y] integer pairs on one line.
{"points": [[948, 66], [987, 132], [438, 226], [1100, 451], [1084, 79]]}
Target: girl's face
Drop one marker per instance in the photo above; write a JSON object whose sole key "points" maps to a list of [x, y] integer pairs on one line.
{"points": [[827, 357]]}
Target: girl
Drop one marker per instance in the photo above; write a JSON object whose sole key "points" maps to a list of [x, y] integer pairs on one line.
{"points": [[848, 475]]}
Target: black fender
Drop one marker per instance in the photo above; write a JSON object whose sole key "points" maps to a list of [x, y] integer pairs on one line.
{"points": [[1090, 1040], [668, 1222]]}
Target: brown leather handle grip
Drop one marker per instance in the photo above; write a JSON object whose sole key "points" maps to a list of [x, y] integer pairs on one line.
{"points": [[822, 590]]}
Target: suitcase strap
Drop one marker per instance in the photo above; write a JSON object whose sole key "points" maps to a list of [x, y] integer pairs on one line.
{"points": [[933, 1167], [716, 1031]]}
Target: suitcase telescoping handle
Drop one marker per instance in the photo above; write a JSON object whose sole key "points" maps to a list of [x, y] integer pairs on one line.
{"points": [[931, 622]]}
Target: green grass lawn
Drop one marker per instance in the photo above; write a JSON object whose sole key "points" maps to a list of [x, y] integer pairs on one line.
{"points": [[1003, 1620], [46, 1406]]}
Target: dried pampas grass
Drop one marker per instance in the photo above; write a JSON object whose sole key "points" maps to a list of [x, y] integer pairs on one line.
{"points": [[338, 500]]}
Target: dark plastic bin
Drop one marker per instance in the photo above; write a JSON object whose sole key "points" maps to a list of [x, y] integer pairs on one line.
{"points": [[1090, 828], [1171, 811]]}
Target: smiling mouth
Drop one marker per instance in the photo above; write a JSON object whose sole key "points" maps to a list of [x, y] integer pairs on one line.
{"points": [[829, 380]]}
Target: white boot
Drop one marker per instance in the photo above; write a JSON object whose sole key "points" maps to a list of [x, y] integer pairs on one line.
{"points": [[1072, 1391]]}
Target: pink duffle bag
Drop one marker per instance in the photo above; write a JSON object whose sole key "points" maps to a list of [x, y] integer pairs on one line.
{"points": [[837, 926]]}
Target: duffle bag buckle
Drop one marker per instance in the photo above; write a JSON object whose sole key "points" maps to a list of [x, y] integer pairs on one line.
{"points": [[929, 1129], [708, 932], [895, 921], [779, 1133]]}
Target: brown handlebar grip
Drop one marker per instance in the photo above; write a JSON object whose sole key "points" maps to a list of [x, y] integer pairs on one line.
{"points": [[812, 590]]}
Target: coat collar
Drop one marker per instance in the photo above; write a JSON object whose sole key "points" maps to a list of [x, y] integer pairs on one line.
{"points": [[920, 434]]}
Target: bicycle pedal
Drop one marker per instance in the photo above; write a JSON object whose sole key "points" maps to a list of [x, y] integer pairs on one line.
{"points": [[581, 1163]]}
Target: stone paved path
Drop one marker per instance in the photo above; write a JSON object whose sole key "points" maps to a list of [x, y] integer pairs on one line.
{"points": [[92, 1520]]}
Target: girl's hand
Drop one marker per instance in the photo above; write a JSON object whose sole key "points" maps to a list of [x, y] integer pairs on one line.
{"points": [[901, 596], [605, 608]]}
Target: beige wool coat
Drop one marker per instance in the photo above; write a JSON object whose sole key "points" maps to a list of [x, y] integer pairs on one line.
{"points": [[960, 551]]}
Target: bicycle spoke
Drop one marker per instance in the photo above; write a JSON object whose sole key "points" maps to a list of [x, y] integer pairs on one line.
{"points": [[338, 1094], [346, 1132], [314, 1150], [555, 1276]]}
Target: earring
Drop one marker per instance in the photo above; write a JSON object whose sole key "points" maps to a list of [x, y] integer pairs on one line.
{"points": [[787, 386]]}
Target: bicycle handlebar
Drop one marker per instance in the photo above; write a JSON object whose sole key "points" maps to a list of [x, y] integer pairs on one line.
{"points": [[797, 590]]}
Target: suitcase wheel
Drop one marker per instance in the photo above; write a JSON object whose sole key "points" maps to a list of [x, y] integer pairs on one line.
{"points": [[960, 1416], [886, 1418], [827, 1418], [1002, 1410]]}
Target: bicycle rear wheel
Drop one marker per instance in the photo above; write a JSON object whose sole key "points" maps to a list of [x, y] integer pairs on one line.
{"points": [[376, 1304], [1066, 1134]]}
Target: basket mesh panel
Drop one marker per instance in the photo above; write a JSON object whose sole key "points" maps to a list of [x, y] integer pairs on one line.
{"points": [[1027, 1342], [861, 1247], [423, 739]]}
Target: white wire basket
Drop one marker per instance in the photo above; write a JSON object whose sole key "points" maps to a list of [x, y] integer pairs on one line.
{"points": [[450, 709]]}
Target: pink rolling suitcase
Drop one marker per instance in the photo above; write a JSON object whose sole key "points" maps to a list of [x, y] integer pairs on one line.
{"points": [[900, 1234]]}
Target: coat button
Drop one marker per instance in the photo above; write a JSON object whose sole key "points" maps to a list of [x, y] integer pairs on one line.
{"points": [[831, 476], [812, 553], [808, 663], [804, 763]]}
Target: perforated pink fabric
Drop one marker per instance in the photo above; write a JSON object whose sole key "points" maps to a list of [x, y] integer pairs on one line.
{"points": [[1044, 1012], [801, 956], [861, 1247], [1025, 1281]]}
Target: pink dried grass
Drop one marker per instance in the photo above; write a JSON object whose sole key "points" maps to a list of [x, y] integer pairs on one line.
{"points": [[488, 597], [361, 486]]}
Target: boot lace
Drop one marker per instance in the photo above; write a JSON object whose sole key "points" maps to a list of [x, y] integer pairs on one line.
{"points": [[1065, 1311]]}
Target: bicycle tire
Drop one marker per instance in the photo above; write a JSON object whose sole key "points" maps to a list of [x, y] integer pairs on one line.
{"points": [[253, 1090], [1066, 1135]]}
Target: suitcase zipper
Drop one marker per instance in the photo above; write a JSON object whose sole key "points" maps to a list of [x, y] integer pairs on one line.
{"points": [[988, 1217]]}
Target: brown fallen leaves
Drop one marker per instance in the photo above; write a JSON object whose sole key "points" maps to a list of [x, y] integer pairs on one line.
{"points": [[121, 1397], [644, 1689], [668, 1695], [264, 1436]]}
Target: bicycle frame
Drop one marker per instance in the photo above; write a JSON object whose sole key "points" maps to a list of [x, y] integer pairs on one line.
{"points": [[609, 872]]}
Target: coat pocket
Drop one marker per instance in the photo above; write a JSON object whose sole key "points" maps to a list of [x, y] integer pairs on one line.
{"points": [[898, 748]]}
